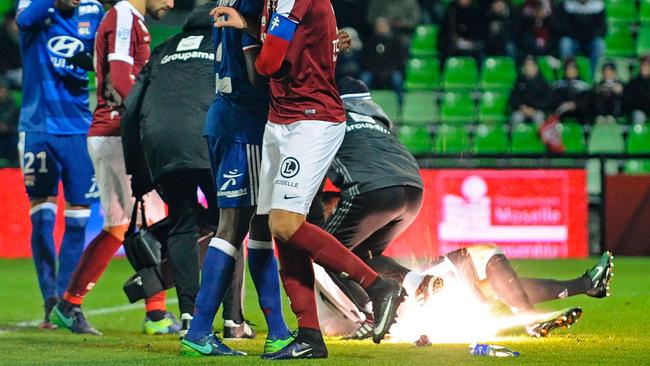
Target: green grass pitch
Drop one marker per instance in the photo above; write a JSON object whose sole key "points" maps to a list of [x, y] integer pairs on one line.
{"points": [[612, 331]]}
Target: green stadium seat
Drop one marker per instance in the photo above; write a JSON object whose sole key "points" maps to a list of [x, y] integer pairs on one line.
{"points": [[419, 108], [17, 95], [572, 136], [549, 67], [422, 74], [525, 140], [643, 42], [493, 107], [621, 11], [638, 139], [606, 138], [424, 42], [498, 73], [451, 139], [460, 73], [457, 107], [491, 139], [387, 99], [644, 12], [619, 41], [637, 167], [417, 139]]}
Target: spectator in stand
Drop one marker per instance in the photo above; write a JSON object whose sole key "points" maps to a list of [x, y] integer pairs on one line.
{"points": [[637, 93], [608, 94], [8, 127], [348, 62], [581, 24], [403, 16], [461, 30], [570, 96], [499, 30], [10, 62], [530, 94], [384, 57], [535, 36]]}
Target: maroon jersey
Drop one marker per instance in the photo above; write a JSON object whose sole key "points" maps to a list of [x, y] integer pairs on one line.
{"points": [[306, 89], [122, 36]]}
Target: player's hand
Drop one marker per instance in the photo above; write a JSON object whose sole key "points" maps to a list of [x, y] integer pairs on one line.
{"points": [[225, 16], [345, 42]]}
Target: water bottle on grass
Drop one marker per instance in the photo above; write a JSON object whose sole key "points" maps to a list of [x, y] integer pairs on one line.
{"points": [[479, 349]]}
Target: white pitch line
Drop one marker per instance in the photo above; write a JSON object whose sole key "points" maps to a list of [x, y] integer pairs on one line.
{"points": [[94, 312]]}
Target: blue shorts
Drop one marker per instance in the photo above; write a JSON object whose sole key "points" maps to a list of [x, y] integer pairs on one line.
{"points": [[48, 159], [235, 166]]}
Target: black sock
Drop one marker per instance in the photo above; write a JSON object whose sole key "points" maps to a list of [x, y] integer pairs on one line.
{"points": [[504, 281], [378, 288], [540, 290], [68, 307], [156, 315], [309, 335], [387, 267]]}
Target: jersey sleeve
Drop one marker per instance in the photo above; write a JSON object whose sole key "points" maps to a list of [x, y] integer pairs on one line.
{"points": [[119, 38], [293, 9], [32, 12], [248, 42]]}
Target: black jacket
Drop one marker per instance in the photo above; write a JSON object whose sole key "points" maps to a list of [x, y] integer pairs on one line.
{"points": [[165, 111], [370, 157], [637, 95], [580, 21], [531, 92]]}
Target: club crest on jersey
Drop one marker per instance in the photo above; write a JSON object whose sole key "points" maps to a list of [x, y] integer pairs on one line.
{"points": [[83, 28]]}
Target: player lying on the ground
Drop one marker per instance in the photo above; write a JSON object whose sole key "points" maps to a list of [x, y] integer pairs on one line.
{"points": [[381, 195], [486, 271]]}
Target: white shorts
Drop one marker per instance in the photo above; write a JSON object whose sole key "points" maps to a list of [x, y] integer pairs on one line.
{"points": [[295, 159], [115, 185]]}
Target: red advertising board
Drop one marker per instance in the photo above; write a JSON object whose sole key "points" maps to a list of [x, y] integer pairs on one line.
{"points": [[529, 213]]}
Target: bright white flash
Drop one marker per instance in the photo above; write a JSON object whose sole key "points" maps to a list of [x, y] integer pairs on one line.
{"points": [[453, 315]]}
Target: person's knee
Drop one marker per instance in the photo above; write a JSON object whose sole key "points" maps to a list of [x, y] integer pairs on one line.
{"points": [[260, 229], [284, 224], [234, 224], [37, 201]]}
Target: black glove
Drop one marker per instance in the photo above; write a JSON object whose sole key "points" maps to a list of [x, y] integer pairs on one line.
{"points": [[83, 60]]}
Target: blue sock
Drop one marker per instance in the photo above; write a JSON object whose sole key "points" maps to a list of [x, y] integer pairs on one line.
{"points": [[215, 279], [72, 246], [264, 269], [43, 217]]}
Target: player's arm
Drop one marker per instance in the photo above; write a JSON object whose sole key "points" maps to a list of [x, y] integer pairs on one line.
{"points": [[32, 13], [225, 16], [120, 55]]}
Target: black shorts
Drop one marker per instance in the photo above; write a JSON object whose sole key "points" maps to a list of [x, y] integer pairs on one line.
{"points": [[369, 222]]}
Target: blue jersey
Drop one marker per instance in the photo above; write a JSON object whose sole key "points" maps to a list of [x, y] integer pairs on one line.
{"points": [[240, 110], [55, 98]]}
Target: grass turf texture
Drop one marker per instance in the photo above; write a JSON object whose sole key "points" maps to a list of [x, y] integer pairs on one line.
{"points": [[612, 331]]}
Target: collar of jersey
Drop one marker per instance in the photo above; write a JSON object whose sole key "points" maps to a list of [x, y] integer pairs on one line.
{"points": [[131, 7]]}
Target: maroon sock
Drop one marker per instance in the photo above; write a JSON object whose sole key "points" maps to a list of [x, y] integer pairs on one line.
{"points": [[297, 276], [91, 266], [328, 252]]}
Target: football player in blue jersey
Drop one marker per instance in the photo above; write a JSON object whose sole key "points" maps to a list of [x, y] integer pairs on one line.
{"points": [[234, 130], [56, 41]]}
